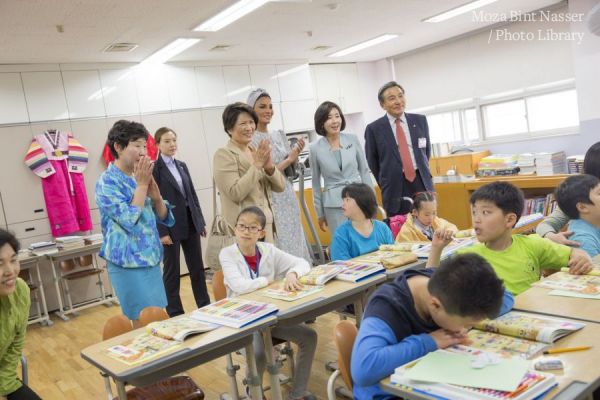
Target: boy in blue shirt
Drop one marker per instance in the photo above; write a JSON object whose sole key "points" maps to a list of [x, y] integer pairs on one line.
{"points": [[421, 311], [579, 198]]}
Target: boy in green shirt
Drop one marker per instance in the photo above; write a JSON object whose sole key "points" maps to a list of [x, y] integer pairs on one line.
{"points": [[517, 259], [14, 312]]}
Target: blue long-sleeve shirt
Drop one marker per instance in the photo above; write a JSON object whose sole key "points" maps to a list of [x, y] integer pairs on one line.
{"points": [[586, 234], [347, 243], [378, 351]]}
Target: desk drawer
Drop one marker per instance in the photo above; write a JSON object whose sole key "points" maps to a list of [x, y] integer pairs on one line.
{"points": [[24, 230]]}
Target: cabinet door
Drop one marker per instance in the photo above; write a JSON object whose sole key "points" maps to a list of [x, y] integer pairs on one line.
{"points": [[13, 108], [152, 89], [191, 146], [183, 90], [326, 83], [119, 92], [349, 90], [295, 82], [92, 135], [21, 189], [237, 83], [45, 96], [298, 115], [84, 94], [265, 77], [211, 86]]}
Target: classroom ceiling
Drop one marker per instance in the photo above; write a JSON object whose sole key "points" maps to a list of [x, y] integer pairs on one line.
{"points": [[279, 30]]}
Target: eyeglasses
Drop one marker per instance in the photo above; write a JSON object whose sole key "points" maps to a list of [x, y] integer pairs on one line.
{"points": [[249, 228]]}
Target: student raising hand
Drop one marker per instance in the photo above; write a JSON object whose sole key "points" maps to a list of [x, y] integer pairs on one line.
{"points": [[441, 238], [444, 338], [580, 262]]}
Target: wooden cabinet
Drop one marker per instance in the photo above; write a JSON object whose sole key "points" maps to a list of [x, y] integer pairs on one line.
{"points": [[464, 164], [453, 198], [337, 83]]}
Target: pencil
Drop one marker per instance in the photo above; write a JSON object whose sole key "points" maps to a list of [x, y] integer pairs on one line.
{"points": [[567, 349]]}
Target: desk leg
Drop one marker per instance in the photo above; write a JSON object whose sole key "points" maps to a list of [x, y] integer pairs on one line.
{"points": [[358, 311], [121, 389], [61, 308], [253, 378], [43, 296], [272, 365]]}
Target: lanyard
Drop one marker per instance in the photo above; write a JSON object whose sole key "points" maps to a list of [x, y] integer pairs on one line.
{"points": [[252, 274]]}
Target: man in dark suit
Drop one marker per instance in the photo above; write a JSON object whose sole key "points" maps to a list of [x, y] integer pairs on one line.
{"points": [[397, 148], [175, 184]]}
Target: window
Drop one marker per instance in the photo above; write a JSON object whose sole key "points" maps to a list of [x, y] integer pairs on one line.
{"points": [[502, 119], [448, 127], [553, 111]]}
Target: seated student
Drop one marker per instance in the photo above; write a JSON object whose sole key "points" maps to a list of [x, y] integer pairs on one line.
{"points": [[361, 233], [423, 220], [579, 198], [517, 259], [420, 311], [14, 312], [250, 264]]}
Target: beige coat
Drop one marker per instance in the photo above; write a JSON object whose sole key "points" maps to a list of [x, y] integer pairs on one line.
{"points": [[241, 185]]}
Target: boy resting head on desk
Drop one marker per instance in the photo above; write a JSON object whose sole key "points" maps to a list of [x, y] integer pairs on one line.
{"points": [[579, 197], [517, 259], [14, 312], [249, 265], [421, 311]]}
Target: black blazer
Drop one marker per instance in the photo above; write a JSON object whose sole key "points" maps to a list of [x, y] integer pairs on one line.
{"points": [[169, 189], [384, 160]]}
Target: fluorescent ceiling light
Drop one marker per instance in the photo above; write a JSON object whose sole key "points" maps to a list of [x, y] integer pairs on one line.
{"points": [[465, 8], [363, 45], [229, 15], [170, 50]]}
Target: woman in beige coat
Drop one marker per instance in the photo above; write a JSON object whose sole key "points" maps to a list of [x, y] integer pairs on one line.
{"points": [[245, 175]]}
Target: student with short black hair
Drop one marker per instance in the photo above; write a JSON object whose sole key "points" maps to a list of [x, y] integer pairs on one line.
{"points": [[420, 311], [251, 264], [579, 198], [361, 233], [517, 259], [423, 221], [14, 313]]}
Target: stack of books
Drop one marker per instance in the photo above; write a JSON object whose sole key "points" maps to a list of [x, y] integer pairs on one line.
{"points": [[69, 242], [575, 164], [42, 248], [551, 163], [498, 164], [96, 238], [526, 164], [234, 312]]}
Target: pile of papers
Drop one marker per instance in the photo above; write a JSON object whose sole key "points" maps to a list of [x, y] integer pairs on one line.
{"points": [[42, 248], [575, 164], [526, 164], [93, 239], [69, 242], [551, 163], [498, 164]]}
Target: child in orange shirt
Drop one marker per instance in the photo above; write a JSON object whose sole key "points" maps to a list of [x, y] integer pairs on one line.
{"points": [[423, 220]]}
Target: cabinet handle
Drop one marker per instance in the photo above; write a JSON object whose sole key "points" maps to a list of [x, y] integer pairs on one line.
{"points": [[29, 229], [38, 210]]}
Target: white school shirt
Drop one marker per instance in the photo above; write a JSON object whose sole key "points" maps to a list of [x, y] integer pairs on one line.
{"points": [[274, 265]]}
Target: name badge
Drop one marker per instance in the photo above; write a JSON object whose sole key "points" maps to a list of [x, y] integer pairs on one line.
{"points": [[422, 142]]}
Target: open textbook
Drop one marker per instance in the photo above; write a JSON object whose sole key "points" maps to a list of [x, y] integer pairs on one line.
{"points": [[355, 271], [529, 326], [277, 291], [178, 329], [321, 274], [234, 312], [575, 284], [390, 259], [504, 344], [456, 244], [140, 348], [450, 375]]}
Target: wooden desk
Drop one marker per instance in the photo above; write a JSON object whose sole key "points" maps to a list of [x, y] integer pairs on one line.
{"points": [[537, 299], [69, 254], [578, 380], [28, 261], [335, 294], [195, 350]]}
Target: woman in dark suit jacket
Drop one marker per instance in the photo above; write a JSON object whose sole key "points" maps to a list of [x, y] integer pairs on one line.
{"points": [[175, 183]]}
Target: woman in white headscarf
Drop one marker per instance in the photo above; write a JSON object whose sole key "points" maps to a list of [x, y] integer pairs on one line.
{"points": [[286, 213]]}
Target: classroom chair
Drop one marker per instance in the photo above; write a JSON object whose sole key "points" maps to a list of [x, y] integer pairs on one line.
{"points": [[220, 292], [152, 314], [344, 334], [173, 388], [33, 290], [24, 370], [79, 268]]}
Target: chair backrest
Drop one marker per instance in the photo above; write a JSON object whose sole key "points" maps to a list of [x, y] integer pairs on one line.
{"points": [[344, 335], [86, 260], [218, 285], [115, 326], [152, 314]]}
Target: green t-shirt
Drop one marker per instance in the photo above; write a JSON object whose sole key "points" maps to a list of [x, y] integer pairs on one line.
{"points": [[520, 264], [14, 312]]}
